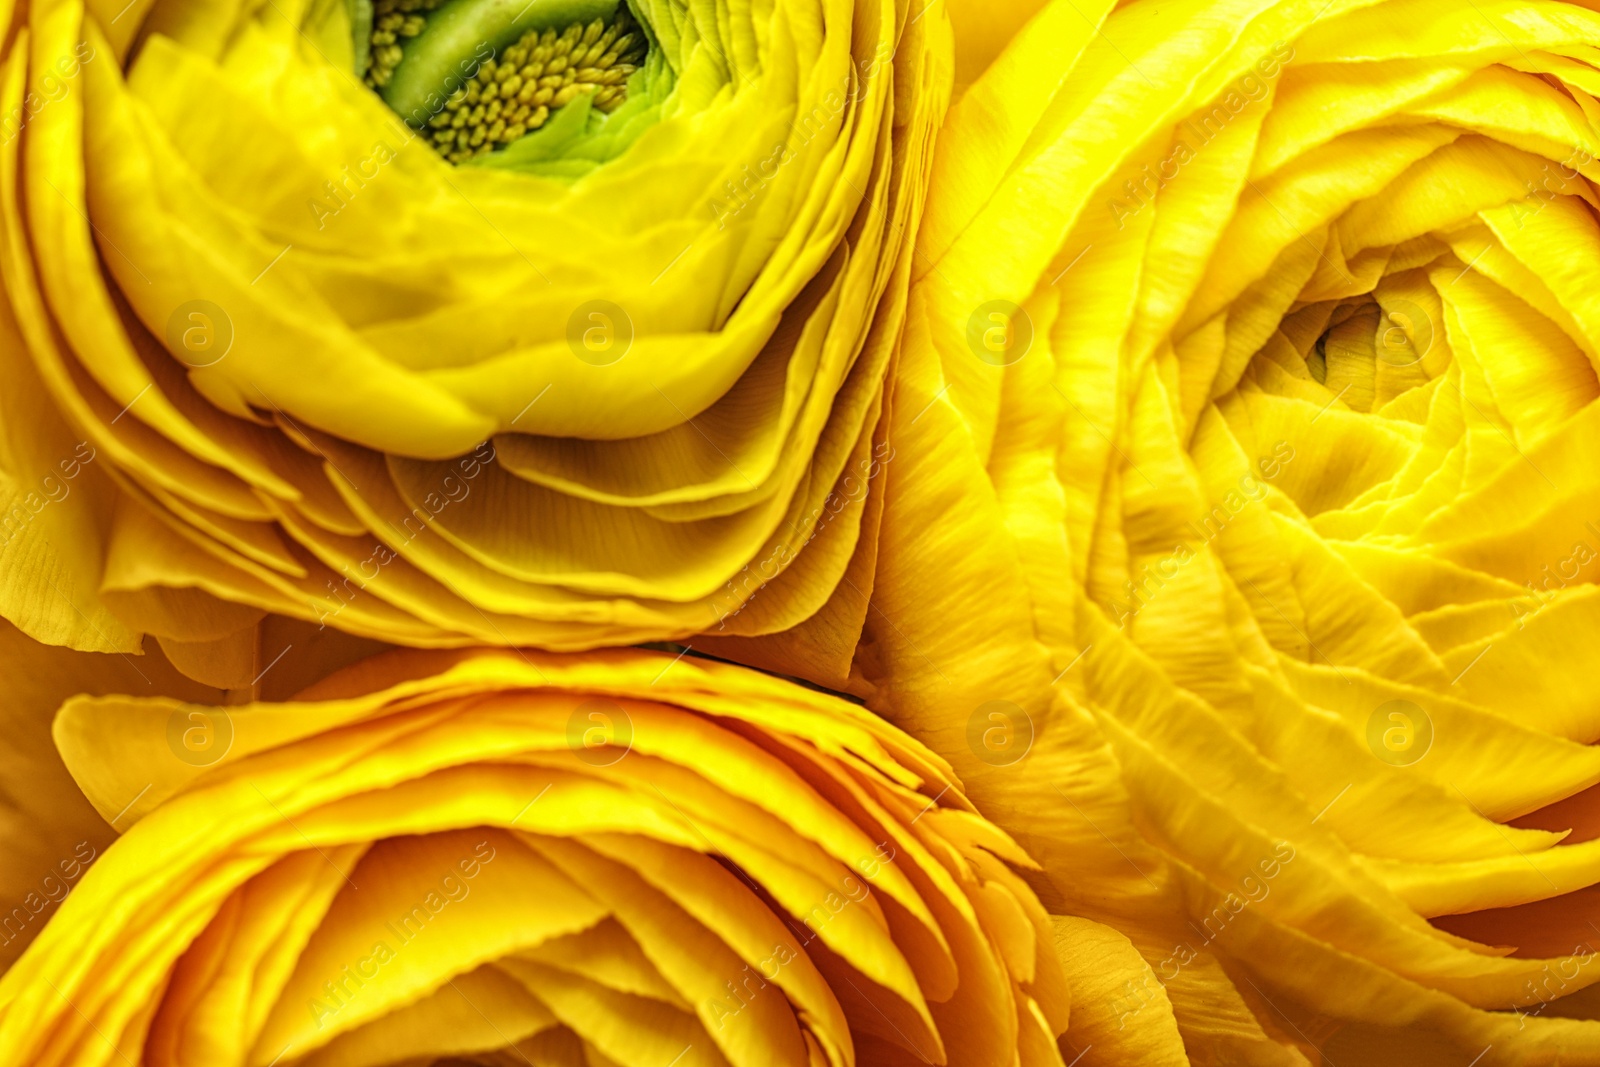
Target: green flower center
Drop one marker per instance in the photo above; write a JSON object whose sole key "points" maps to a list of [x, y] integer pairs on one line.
{"points": [[477, 75]]}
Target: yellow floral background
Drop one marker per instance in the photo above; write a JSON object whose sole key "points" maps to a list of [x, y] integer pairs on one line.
{"points": [[956, 533]]}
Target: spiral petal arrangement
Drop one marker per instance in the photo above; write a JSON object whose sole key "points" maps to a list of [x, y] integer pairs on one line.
{"points": [[614, 858], [1260, 350], [311, 348]]}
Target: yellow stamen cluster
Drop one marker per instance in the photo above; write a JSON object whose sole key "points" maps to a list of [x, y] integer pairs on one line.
{"points": [[517, 90], [393, 21]]}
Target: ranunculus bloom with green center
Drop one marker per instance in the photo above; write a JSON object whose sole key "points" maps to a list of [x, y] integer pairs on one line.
{"points": [[428, 858], [1242, 542], [560, 323]]}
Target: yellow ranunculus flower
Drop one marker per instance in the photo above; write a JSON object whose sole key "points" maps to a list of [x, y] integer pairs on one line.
{"points": [[49, 833], [281, 333], [1241, 546], [612, 858]]}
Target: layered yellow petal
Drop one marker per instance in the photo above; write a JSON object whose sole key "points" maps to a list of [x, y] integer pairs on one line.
{"points": [[620, 857], [1236, 550], [620, 382]]}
